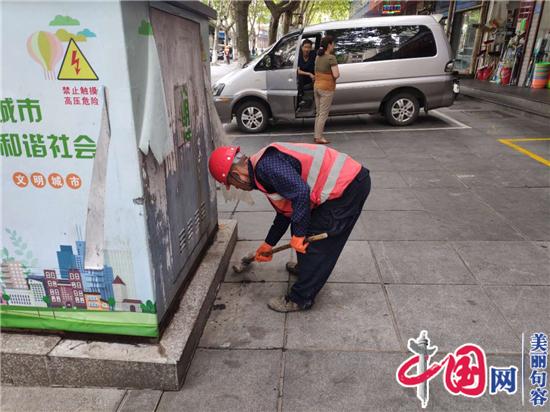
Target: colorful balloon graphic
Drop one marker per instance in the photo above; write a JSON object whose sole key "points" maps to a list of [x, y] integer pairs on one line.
{"points": [[45, 49]]}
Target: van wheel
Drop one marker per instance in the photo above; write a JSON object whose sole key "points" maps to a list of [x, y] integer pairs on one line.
{"points": [[401, 109], [252, 116]]}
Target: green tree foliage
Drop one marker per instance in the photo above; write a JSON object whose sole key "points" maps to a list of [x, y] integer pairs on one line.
{"points": [[149, 307], [112, 302], [21, 252], [320, 11]]}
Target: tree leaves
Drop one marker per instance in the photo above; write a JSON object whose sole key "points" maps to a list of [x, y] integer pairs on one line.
{"points": [[24, 255]]}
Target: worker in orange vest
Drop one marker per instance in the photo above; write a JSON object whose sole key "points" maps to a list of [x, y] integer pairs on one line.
{"points": [[314, 189]]}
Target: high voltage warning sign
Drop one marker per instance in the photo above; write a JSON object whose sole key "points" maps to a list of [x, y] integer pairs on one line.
{"points": [[75, 66]]}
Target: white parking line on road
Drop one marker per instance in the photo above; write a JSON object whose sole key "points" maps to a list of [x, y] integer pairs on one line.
{"points": [[442, 116]]}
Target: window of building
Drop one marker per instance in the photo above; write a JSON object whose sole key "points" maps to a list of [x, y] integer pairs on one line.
{"points": [[365, 44]]}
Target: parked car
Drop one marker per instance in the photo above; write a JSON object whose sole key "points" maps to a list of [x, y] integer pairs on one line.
{"points": [[389, 65]]}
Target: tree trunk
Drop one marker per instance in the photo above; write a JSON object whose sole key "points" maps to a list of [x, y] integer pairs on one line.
{"points": [[287, 17], [215, 45], [273, 27], [276, 11], [241, 29]]}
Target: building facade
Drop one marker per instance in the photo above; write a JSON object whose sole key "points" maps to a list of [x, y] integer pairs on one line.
{"points": [[67, 293], [494, 40], [12, 275], [95, 302]]}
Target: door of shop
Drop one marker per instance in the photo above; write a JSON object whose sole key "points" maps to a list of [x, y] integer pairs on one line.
{"points": [[465, 27]]}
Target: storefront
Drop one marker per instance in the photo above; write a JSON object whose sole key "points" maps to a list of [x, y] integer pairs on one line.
{"points": [[465, 31], [541, 45], [514, 43]]}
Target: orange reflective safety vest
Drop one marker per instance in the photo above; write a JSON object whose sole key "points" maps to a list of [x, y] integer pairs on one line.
{"points": [[326, 171]]}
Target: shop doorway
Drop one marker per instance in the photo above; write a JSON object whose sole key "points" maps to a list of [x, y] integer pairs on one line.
{"points": [[465, 27]]}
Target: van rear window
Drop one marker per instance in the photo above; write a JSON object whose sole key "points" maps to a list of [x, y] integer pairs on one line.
{"points": [[365, 44]]}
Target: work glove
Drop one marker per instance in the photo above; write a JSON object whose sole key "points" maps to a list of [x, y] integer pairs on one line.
{"points": [[297, 243], [264, 249]]}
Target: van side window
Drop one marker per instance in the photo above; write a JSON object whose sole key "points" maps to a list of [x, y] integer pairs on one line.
{"points": [[365, 44], [284, 53]]}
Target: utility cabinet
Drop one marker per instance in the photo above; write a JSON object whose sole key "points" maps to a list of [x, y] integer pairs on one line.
{"points": [[107, 205]]}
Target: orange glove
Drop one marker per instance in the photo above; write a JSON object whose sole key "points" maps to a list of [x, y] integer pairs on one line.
{"points": [[297, 243], [264, 249]]}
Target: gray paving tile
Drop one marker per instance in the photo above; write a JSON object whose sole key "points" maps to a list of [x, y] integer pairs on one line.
{"points": [[228, 380], [359, 231], [452, 315], [145, 400], [273, 271], [38, 399], [506, 178], [387, 180], [376, 164], [432, 178], [464, 215], [344, 317], [506, 263], [527, 209], [392, 199], [525, 307], [355, 264], [420, 262], [460, 161], [255, 225], [225, 206], [344, 381], [402, 225], [359, 146], [244, 320], [410, 162]]}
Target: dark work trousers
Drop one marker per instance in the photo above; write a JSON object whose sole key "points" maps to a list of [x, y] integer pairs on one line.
{"points": [[337, 217]]}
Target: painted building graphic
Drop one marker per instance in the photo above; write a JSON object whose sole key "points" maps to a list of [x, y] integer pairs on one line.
{"points": [[121, 262], [36, 285], [99, 281], [74, 287], [12, 275], [68, 293], [95, 302]]}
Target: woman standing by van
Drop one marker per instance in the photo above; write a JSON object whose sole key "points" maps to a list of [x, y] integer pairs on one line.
{"points": [[326, 73]]}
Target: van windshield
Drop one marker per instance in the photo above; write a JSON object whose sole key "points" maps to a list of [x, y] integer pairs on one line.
{"points": [[257, 59]]}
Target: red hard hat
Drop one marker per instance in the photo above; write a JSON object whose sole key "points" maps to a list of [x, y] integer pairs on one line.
{"points": [[220, 162]]}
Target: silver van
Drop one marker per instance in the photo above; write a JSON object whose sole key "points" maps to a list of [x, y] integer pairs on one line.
{"points": [[388, 65]]}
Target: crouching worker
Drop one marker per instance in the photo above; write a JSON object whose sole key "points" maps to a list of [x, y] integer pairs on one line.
{"points": [[313, 188]]}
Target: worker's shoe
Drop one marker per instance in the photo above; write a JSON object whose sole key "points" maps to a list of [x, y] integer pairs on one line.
{"points": [[292, 268], [283, 304]]}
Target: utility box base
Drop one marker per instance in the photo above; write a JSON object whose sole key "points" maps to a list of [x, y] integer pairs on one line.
{"points": [[48, 360]]}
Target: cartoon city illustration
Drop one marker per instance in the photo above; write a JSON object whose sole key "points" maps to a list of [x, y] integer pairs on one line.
{"points": [[70, 286]]}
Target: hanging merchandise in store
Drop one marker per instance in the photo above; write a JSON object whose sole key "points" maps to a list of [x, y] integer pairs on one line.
{"points": [[489, 55], [501, 57]]}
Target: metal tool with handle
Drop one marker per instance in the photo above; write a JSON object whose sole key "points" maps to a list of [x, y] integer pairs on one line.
{"points": [[247, 260]]}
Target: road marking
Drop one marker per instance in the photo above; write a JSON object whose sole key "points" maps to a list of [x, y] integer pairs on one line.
{"points": [[447, 119], [509, 143]]}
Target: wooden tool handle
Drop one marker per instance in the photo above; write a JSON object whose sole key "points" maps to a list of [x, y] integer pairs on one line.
{"points": [[310, 239], [252, 257]]}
